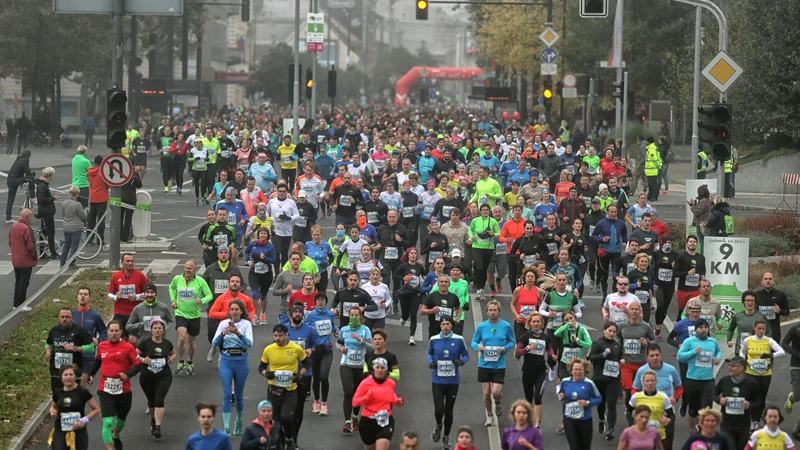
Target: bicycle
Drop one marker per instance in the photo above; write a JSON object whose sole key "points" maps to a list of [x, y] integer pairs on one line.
{"points": [[90, 246]]}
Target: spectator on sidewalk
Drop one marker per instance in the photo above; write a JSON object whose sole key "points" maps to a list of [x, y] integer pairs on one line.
{"points": [[74, 219], [23, 256], [46, 202], [128, 198], [80, 168], [89, 129], [11, 135], [19, 173], [98, 199], [665, 151], [24, 127]]}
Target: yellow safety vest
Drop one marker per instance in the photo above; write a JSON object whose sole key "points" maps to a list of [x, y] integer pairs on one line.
{"points": [[766, 442], [653, 161], [728, 166], [704, 160]]}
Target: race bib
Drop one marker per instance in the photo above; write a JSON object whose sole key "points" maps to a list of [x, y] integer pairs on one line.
{"points": [[165, 150], [692, 280], [345, 200], [287, 159], [408, 211], [113, 386], [491, 354], [68, 420], [445, 368], [146, 322], [244, 167], [735, 405], [427, 210], [157, 364], [526, 311], [323, 327], [220, 286], [225, 154], [283, 378], [591, 230], [501, 248], [705, 359], [665, 275], [353, 358], [573, 410], [483, 200], [444, 312], [632, 346], [556, 321], [372, 217], [301, 222], [127, 289], [300, 342], [346, 308], [529, 260], [630, 267], [232, 219], [570, 353], [539, 347], [655, 424], [570, 169], [62, 359], [767, 311], [581, 259], [221, 240], [382, 418], [446, 211], [643, 296], [186, 294], [742, 337], [351, 259], [611, 369], [200, 164], [552, 248], [709, 320], [391, 253], [759, 365], [690, 330], [433, 256], [261, 267]]}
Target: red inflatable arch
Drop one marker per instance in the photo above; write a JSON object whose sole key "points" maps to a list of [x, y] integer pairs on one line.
{"points": [[435, 73]]}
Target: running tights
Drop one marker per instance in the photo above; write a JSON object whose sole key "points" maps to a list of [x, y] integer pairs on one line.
{"points": [[763, 382], [483, 256], [409, 304], [579, 433], [320, 369], [81, 440], [664, 295], [444, 401], [322, 286], [233, 370], [534, 382], [259, 284], [199, 182], [351, 377], [609, 260], [166, 171], [609, 391], [178, 167], [591, 258], [155, 388], [303, 386]]}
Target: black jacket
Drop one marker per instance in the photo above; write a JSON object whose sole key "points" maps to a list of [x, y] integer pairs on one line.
{"points": [[20, 169], [45, 198], [716, 221], [128, 195], [251, 439]]}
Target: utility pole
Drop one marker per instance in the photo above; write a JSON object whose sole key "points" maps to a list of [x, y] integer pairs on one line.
{"points": [[563, 61], [619, 112], [312, 114], [696, 94], [133, 104], [624, 107], [296, 87], [116, 80]]}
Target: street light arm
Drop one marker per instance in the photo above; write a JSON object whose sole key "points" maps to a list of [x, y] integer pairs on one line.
{"points": [[722, 21]]}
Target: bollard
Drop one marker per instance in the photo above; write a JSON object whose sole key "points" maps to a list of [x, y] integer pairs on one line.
{"points": [[142, 216]]}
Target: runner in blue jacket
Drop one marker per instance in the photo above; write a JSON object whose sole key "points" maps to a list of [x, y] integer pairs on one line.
{"points": [[446, 352]]}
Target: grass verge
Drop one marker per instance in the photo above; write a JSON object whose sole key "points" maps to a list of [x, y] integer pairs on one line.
{"points": [[24, 374]]}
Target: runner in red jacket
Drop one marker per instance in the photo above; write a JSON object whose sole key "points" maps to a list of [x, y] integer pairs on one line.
{"points": [[376, 394]]}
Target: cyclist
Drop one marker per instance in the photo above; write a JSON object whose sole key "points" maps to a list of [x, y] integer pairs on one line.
{"points": [[156, 353], [447, 351]]}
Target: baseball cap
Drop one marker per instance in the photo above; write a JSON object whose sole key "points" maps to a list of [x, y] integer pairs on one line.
{"points": [[737, 360], [596, 201], [303, 194], [455, 253], [602, 186]]}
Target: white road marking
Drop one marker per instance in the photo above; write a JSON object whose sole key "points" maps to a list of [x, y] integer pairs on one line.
{"points": [[417, 334]]}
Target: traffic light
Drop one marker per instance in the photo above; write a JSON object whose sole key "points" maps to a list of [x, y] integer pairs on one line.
{"points": [[332, 83], [309, 83], [593, 9], [547, 92], [619, 90], [245, 10], [716, 129], [117, 118], [422, 9]]}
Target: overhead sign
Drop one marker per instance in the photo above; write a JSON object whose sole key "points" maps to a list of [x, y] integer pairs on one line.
{"points": [[549, 36], [727, 268], [116, 170], [549, 55], [569, 80], [549, 69], [497, 94], [722, 71], [315, 32], [131, 7], [569, 92]]}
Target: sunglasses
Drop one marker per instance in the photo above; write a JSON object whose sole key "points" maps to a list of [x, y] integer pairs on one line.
{"points": [[622, 284]]}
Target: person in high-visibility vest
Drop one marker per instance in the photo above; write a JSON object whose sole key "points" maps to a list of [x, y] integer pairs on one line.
{"points": [[702, 164], [728, 180], [652, 165]]}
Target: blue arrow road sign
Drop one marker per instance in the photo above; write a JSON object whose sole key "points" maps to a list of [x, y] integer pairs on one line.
{"points": [[549, 55]]}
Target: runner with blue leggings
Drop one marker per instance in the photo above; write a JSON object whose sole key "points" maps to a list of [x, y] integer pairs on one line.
{"points": [[260, 256], [234, 336]]}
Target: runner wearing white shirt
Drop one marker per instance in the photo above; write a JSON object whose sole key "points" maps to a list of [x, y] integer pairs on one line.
{"points": [[392, 198], [380, 294], [283, 211], [615, 306]]}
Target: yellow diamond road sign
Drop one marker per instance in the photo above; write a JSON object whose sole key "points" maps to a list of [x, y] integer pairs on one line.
{"points": [[722, 71], [549, 36]]}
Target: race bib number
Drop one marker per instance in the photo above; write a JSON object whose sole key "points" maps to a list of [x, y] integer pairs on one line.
{"points": [[690, 330], [346, 308], [556, 321], [372, 217], [705, 359], [611, 369], [491, 354], [632, 346], [68, 420], [570, 169], [433, 256], [225, 154], [301, 222], [767, 311], [156, 365], [539, 346], [591, 230], [573, 410], [127, 289], [113, 386], [735, 405], [501, 248], [186, 294], [643, 296], [165, 150], [759, 365], [382, 418], [709, 320], [300, 342], [630, 267], [581, 259], [665, 275], [445, 368], [323, 327], [200, 164], [220, 286], [146, 322], [526, 311], [346, 200], [446, 211], [232, 219], [353, 358], [529, 260], [692, 280], [391, 253], [570, 353], [444, 312], [428, 210], [351, 259], [244, 167], [552, 248], [261, 267], [408, 211], [483, 200], [654, 424], [414, 281], [287, 159], [62, 359], [283, 378], [221, 240]]}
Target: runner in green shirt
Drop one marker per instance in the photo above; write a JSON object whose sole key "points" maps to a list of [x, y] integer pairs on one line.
{"points": [[487, 189], [187, 292], [482, 231]]}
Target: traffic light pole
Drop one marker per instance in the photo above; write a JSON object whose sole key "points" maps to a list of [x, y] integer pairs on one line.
{"points": [[296, 87], [696, 95], [116, 80]]}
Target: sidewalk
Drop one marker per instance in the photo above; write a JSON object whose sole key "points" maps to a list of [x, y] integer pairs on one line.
{"points": [[52, 157]]}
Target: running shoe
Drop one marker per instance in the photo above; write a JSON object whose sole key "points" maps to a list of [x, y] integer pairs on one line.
{"points": [[402, 323], [437, 433], [315, 407], [551, 374], [597, 288], [498, 408], [492, 294], [411, 340], [157, 432], [489, 420], [190, 368], [682, 410], [180, 191], [180, 367], [796, 432], [237, 429], [591, 284], [211, 354], [658, 336], [348, 427], [290, 445], [609, 435], [147, 410], [355, 423], [152, 429], [601, 426], [445, 442], [262, 318], [117, 443], [479, 295], [560, 429], [323, 409], [499, 286], [789, 403], [665, 192], [197, 202], [166, 189], [227, 431]]}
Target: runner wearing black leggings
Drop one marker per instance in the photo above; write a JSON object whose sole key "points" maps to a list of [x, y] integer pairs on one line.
{"points": [[409, 276], [538, 356], [447, 351], [324, 323], [354, 341], [605, 356], [156, 354], [482, 231]]}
